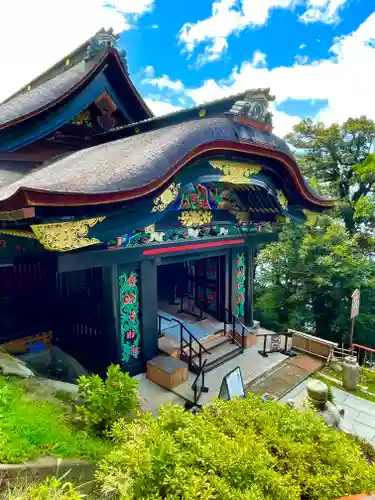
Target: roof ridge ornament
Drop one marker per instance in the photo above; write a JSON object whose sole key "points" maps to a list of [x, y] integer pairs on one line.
{"points": [[254, 106], [105, 39]]}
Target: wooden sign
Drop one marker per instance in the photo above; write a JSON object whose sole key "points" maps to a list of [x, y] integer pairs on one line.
{"points": [[356, 298]]}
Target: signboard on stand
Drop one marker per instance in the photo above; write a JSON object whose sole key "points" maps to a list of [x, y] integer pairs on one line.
{"points": [[356, 300], [232, 385], [275, 343]]}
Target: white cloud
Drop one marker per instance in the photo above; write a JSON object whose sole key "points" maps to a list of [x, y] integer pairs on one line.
{"points": [[164, 82], [326, 11], [283, 123], [301, 59], [345, 80], [149, 71], [231, 17], [302, 46], [160, 108], [135, 7], [50, 29], [226, 19], [259, 59]]}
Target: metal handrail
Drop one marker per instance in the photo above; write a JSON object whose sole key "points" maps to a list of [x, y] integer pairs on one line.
{"points": [[160, 317], [189, 344], [234, 322], [362, 354], [194, 387]]}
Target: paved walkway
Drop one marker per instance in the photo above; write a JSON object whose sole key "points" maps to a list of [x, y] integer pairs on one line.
{"points": [[286, 376], [252, 365], [359, 413]]}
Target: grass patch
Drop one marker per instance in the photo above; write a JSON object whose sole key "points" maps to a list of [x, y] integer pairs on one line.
{"points": [[66, 397], [358, 392], [31, 428]]}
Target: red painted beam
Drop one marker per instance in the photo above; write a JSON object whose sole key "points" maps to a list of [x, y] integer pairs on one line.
{"points": [[193, 246]]}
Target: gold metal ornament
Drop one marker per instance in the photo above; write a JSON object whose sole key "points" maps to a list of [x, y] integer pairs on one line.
{"points": [[166, 198], [65, 236], [150, 229], [195, 218], [235, 172], [21, 234], [243, 218]]}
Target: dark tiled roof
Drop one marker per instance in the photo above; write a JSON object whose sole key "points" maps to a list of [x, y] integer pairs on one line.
{"points": [[45, 94], [135, 161]]}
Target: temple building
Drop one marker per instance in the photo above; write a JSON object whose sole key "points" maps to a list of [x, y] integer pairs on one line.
{"points": [[121, 231]]}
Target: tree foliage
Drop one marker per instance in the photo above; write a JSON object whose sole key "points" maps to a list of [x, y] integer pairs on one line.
{"points": [[237, 450], [342, 159], [305, 280]]}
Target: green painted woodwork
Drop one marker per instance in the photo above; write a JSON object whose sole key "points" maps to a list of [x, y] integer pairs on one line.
{"points": [[129, 315]]}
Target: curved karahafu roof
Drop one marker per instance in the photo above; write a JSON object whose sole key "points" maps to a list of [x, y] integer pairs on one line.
{"points": [[136, 166], [242, 170]]}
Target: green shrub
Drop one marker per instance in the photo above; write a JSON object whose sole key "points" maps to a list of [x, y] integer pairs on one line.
{"points": [[104, 402], [237, 450], [331, 397], [33, 427]]}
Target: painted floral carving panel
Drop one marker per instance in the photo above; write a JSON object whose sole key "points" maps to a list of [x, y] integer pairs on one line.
{"points": [[129, 315], [241, 277]]}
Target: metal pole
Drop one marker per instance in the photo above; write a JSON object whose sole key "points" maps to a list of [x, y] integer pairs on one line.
{"points": [[351, 335]]}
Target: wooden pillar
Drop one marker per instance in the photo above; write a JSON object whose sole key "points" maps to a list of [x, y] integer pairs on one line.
{"points": [[111, 314], [130, 314], [149, 305], [233, 281], [228, 284], [249, 301]]}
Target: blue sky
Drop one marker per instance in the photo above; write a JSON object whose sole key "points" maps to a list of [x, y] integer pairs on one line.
{"points": [[317, 56]]}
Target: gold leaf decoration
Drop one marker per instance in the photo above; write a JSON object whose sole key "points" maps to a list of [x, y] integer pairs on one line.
{"points": [[235, 172], [65, 236], [195, 218], [150, 229], [282, 198], [166, 198], [242, 217], [21, 234]]}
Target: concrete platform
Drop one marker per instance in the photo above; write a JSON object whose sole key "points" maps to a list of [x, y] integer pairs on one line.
{"points": [[252, 365]]}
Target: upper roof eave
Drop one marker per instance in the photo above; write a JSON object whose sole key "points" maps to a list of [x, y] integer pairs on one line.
{"points": [[136, 166], [92, 67]]}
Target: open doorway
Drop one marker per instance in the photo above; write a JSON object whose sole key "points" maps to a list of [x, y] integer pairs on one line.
{"points": [[192, 292]]}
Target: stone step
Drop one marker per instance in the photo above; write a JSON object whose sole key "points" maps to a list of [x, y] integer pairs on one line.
{"points": [[167, 371]]}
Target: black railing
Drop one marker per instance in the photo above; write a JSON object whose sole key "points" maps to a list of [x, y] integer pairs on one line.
{"points": [[198, 385], [192, 350], [192, 344], [195, 348], [160, 318], [233, 322]]}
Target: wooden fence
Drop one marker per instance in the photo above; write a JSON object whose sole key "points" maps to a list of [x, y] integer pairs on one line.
{"points": [[309, 344]]}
